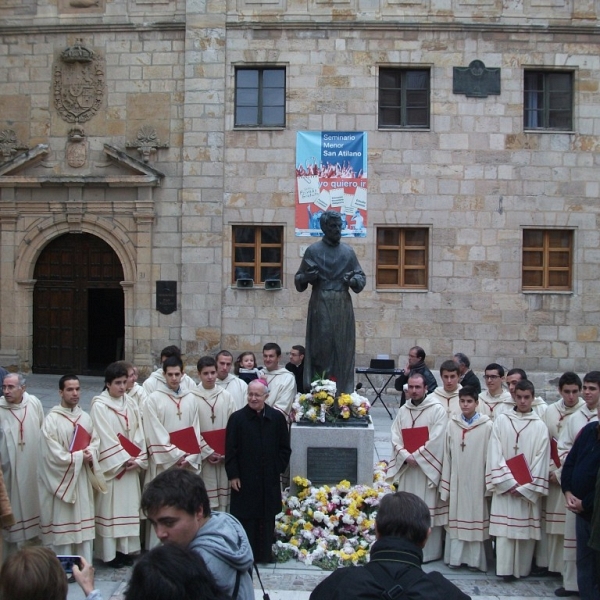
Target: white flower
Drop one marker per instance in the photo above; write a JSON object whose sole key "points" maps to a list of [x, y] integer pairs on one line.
{"points": [[318, 516]]}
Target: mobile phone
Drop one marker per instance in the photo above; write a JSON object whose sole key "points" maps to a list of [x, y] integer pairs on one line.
{"points": [[67, 561]]}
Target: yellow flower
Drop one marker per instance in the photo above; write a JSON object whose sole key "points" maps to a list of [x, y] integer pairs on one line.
{"points": [[294, 542], [308, 526]]}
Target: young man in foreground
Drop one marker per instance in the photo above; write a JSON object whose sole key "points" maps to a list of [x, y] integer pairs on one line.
{"points": [[177, 505]]}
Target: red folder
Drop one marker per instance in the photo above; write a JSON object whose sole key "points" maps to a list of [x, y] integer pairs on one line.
{"points": [[554, 452], [414, 438], [520, 469], [81, 439], [216, 440], [129, 446], [186, 440]]}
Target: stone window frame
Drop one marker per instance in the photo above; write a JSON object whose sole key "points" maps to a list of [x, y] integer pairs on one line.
{"points": [[547, 96], [547, 262], [402, 262], [250, 253], [402, 119], [260, 100]]}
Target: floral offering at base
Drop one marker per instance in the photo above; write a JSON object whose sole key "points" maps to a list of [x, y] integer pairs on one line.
{"points": [[330, 526], [320, 405]]}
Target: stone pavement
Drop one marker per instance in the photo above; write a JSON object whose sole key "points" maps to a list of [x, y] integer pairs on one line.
{"points": [[294, 580]]}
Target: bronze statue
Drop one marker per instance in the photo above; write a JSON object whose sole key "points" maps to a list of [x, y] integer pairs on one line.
{"points": [[331, 267]]}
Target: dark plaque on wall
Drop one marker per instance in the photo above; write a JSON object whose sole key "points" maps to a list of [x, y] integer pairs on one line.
{"points": [[166, 297], [476, 80], [328, 466]]}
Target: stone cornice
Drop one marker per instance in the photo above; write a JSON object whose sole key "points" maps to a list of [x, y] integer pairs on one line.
{"points": [[100, 27], [394, 25]]}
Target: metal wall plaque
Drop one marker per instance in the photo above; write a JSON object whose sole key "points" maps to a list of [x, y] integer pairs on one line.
{"points": [[166, 297], [328, 466], [476, 80]]}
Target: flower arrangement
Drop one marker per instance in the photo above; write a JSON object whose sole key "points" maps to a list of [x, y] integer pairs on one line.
{"points": [[330, 526], [321, 405]]}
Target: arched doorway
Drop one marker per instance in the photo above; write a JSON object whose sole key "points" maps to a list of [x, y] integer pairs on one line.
{"points": [[78, 306]]}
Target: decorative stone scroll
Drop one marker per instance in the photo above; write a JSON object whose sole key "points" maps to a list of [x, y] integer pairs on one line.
{"points": [[78, 83], [9, 145], [476, 80], [147, 142]]}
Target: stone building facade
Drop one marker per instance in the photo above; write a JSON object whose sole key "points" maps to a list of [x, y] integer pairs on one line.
{"points": [[119, 143]]}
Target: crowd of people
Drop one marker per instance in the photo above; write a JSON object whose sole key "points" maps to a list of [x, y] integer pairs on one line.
{"points": [[502, 464], [198, 467], [74, 480]]}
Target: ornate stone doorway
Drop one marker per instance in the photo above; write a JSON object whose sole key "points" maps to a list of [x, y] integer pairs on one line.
{"points": [[78, 306]]}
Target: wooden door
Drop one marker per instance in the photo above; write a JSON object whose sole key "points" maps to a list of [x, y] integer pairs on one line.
{"points": [[70, 270]]}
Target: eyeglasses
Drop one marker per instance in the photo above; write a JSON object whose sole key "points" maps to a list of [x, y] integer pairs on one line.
{"points": [[491, 376]]}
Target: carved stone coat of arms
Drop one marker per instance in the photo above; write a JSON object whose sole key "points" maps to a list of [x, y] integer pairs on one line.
{"points": [[78, 84]]}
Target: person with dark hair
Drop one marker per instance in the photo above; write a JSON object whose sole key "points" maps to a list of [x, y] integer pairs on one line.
{"points": [[226, 380], [415, 364], [556, 418], [588, 413], [157, 378], [177, 505], [332, 269], [257, 453], [68, 474], [513, 376], [495, 396], [447, 395], [21, 418], [172, 573], [168, 411], [578, 482], [463, 484], [517, 474], [296, 367], [418, 434], [394, 570], [466, 375], [117, 420], [215, 406], [280, 381]]}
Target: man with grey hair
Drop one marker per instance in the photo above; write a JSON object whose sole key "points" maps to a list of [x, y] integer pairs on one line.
{"points": [[466, 377], [402, 526], [21, 418], [257, 452]]}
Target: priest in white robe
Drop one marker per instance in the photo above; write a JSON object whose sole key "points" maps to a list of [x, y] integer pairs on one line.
{"points": [[418, 434], [68, 474], [157, 380], [588, 413], [282, 383], [21, 417], [215, 406], [556, 418], [133, 389], [515, 514], [463, 484], [495, 395], [448, 393], [226, 380], [117, 420]]}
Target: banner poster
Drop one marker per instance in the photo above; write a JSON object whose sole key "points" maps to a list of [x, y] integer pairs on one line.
{"points": [[331, 174]]}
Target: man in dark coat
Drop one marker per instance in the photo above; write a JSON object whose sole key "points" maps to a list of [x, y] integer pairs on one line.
{"points": [[257, 452], [466, 375], [416, 364], [402, 526]]}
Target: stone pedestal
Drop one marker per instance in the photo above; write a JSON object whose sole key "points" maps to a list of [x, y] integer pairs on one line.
{"points": [[325, 441]]}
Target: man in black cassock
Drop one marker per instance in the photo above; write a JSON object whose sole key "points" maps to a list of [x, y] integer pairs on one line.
{"points": [[257, 452]]}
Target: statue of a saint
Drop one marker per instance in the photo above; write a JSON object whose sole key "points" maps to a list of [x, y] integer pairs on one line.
{"points": [[331, 267]]}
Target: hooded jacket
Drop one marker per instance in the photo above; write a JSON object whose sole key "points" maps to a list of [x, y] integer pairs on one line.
{"points": [[224, 546]]}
